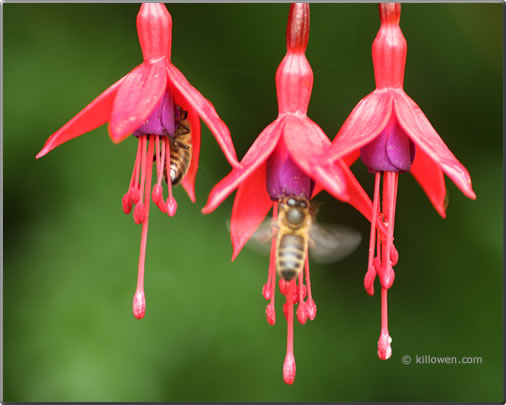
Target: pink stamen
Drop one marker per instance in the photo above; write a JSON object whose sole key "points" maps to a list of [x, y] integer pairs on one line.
{"points": [[370, 276], [140, 211], [171, 201], [268, 291], [302, 312], [387, 274], [157, 189], [161, 203], [311, 306], [289, 364], [139, 302], [128, 199], [134, 189], [269, 288]]}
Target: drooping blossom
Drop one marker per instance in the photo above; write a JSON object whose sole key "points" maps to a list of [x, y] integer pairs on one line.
{"points": [[279, 164], [392, 135], [156, 104]]}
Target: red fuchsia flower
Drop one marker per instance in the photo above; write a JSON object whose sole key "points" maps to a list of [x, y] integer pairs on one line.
{"points": [[156, 104], [392, 135], [277, 167]]}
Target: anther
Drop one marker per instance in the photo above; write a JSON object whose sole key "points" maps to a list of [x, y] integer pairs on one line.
{"points": [[270, 312], [139, 213], [127, 203], [134, 195], [302, 313], [162, 206], [311, 308], [171, 206], [283, 286], [267, 290], [157, 193]]}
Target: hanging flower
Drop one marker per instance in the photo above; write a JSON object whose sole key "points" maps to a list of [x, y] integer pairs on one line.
{"points": [[392, 135], [156, 104], [277, 171]]}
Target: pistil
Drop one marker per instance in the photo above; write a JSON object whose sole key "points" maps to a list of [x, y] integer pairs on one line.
{"points": [[139, 302]]}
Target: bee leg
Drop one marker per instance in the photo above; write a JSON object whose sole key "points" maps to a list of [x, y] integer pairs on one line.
{"points": [[181, 145], [181, 129], [182, 113]]}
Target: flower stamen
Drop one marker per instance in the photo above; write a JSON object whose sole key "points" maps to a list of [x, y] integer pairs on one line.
{"points": [[371, 270], [269, 288], [139, 211], [171, 201], [311, 306]]}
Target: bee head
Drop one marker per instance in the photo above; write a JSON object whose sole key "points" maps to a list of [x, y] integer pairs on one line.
{"points": [[295, 210]]}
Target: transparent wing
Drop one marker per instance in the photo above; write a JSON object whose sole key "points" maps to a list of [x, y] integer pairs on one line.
{"points": [[330, 243], [260, 241]]}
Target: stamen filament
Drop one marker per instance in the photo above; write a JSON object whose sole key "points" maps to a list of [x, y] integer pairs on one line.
{"points": [[371, 270], [311, 306], [269, 289], [139, 211], [135, 185], [171, 201], [301, 307]]}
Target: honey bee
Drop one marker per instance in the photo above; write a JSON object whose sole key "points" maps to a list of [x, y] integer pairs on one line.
{"points": [[180, 149], [294, 222], [296, 232]]}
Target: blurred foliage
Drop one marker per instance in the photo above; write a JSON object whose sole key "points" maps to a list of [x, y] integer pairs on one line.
{"points": [[70, 254]]}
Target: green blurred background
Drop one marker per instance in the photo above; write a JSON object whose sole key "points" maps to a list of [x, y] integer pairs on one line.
{"points": [[70, 254]]}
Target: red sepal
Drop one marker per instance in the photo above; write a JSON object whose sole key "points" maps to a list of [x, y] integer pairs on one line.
{"points": [[305, 140], [258, 153], [430, 176], [252, 203], [206, 111], [137, 97], [419, 129], [365, 122], [92, 116]]}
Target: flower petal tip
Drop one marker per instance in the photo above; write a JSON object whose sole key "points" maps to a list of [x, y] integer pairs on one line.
{"points": [[207, 209], [43, 152], [235, 253], [116, 134]]}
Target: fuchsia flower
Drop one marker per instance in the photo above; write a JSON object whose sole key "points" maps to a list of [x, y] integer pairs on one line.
{"points": [[392, 135], [278, 165], [156, 104]]}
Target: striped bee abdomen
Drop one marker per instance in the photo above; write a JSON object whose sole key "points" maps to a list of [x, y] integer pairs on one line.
{"points": [[291, 251], [180, 159]]}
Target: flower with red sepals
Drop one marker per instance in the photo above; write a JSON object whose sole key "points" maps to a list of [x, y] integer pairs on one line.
{"points": [[148, 103], [280, 164], [391, 134]]}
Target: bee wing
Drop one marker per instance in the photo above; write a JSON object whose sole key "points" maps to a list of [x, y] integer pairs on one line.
{"points": [[330, 243], [260, 241]]}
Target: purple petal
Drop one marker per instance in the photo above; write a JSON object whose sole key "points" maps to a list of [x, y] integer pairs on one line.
{"points": [[162, 120], [284, 177], [391, 151]]}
